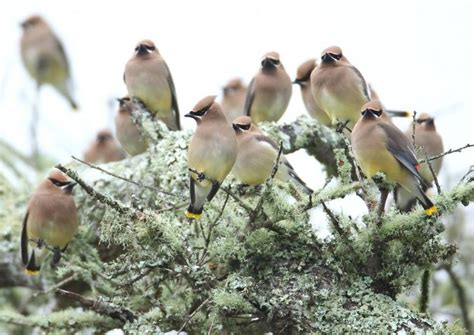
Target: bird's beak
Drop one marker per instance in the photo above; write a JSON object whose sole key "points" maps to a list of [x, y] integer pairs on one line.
{"points": [[236, 127], [191, 115], [297, 81], [69, 187], [327, 58]]}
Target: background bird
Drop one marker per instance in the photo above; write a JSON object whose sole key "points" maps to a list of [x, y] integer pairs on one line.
{"points": [[269, 92], [148, 78], [50, 222], [104, 149], [427, 142], [127, 131], [338, 87], [212, 153], [257, 153], [381, 147], [233, 98], [44, 57], [303, 79]]}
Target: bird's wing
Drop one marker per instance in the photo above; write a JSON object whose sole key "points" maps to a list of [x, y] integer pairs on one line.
{"points": [[174, 100]]}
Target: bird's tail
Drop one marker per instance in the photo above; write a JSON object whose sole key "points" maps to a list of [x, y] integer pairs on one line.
{"points": [[65, 92], [297, 180], [405, 201]]}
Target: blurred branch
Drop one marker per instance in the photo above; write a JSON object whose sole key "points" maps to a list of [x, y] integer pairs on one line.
{"points": [[450, 151]]}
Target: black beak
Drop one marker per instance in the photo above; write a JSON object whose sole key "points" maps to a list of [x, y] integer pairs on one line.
{"points": [[69, 187], [191, 115], [327, 58], [142, 49], [236, 127], [367, 113], [430, 122]]}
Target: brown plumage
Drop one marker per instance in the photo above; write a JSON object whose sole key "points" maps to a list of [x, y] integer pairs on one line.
{"points": [[381, 147], [44, 58], [128, 133], [429, 141], [104, 149], [269, 91], [212, 152], [257, 153], [148, 78], [233, 99], [303, 79], [338, 87], [50, 222]]}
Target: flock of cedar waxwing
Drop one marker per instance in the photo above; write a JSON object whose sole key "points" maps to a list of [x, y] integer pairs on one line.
{"points": [[227, 137]]}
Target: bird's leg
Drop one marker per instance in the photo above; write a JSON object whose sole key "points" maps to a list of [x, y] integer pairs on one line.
{"points": [[214, 189], [201, 176], [56, 255], [340, 126]]}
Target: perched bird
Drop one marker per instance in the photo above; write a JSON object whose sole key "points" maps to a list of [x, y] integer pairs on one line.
{"points": [[148, 78], [303, 76], [44, 57], [50, 222], [269, 91], [256, 155], [428, 141], [381, 147], [338, 87], [104, 149], [233, 99], [127, 131], [211, 153]]}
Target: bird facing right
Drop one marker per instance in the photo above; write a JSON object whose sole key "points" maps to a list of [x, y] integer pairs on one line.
{"points": [[269, 92], [44, 57], [211, 153], [381, 147], [50, 222], [338, 87]]}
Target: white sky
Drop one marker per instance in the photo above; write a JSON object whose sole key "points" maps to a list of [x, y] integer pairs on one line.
{"points": [[417, 54]]}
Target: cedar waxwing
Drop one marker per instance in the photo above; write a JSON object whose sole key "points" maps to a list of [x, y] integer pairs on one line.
{"points": [[104, 149], [43, 55], [429, 141], [148, 78], [338, 87], [303, 76], [269, 91], [50, 221], [233, 99], [127, 131], [381, 147], [212, 152], [256, 155]]}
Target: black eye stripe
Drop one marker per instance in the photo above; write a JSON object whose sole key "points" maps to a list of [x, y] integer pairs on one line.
{"points": [[336, 56], [200, 112], [59, 183], [244, 126]]}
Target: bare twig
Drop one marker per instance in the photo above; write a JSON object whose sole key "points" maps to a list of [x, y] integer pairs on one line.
{"points": [[450, 151], [58, 285], [276, 163], [123, 178], [191, 316], [90, 190], [101, 307], [381, 207], [413, 129], [461, 296], [435, 179]]}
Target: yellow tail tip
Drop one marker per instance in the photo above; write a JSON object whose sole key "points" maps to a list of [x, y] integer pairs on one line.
{"points": [[192, 216], [31, 272], [430, 211], [407, 114]]}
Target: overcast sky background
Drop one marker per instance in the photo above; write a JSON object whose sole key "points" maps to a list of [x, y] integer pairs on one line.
{"points": [[416, 54]]}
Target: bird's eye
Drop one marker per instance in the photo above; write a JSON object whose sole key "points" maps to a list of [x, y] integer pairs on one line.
{"points": [[58, 183], [336, 56], [244, 126], [376, 112], [151, 48], [276, 61]]}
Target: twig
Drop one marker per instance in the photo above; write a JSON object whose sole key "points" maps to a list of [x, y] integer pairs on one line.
{"points": [[123, 178], [425, 290], [276, 163], [193, 314], [381, 207], [58, 285], [209, 332], [90, 190], [413, 129], [101, 307], [450, 151], [435, 179], [461, 297]]}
